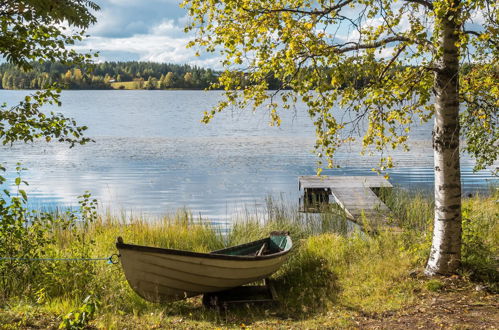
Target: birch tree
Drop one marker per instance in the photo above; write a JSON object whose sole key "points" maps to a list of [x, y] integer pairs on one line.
{"points": [[417, 60]]}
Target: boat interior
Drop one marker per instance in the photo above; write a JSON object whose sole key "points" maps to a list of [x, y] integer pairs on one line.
{"points": [[266, 246]]}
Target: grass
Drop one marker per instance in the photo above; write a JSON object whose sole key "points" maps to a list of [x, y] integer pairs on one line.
{"points": [[330, 279], [127, 85]]}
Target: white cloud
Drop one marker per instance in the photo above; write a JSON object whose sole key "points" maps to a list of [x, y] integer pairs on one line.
{"points": [[123, 18], [150, 30], [151, 47], [167, 27]]}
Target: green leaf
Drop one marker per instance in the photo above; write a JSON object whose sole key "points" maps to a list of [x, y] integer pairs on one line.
{"points": [[23, 194]]}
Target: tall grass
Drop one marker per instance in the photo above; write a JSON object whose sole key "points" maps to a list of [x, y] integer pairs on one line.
{"points": [[480, 259], [333, 266]]}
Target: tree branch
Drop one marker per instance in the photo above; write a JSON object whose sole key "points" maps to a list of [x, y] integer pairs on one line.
{"points": [[374, 44], [425, 3], [475, 33], [391, 62], [301, 11], [478, 34]]}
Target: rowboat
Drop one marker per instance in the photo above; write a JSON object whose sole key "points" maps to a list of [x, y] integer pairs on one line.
{"points": [[161, 275]]}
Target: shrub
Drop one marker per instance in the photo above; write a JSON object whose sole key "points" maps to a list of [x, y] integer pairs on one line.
{"points": [[30, 241]]}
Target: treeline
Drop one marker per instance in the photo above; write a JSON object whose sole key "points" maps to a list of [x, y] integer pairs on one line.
{"points": [[107, 75], [140, 75]]}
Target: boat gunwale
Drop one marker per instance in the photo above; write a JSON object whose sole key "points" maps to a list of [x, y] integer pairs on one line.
{"points": [[142, 248]]}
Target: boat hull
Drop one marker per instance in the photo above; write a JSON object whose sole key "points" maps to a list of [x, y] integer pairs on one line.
{"points": [[161, 275]]}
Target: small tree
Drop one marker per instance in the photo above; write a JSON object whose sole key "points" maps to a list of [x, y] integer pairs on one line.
{"points": [[107, 78], [168, 81], [152, 83], [406, 56], [77, 75], [188, 79], [67, 76]]}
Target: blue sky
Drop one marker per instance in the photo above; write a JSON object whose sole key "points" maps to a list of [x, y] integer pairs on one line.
{"points": [[145, 30]]}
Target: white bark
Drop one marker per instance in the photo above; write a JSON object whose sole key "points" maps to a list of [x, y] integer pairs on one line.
{"points": [[445, 252]]}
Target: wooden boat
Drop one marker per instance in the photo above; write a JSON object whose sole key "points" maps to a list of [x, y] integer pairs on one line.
{"points": [[158, 274]]}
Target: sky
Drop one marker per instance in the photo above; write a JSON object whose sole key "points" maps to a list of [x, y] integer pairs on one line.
{"points": [[143, 30]]}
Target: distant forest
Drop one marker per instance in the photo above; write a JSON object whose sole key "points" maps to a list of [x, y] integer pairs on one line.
{"points": [[121, 75], [108, 75], [133, 75]]}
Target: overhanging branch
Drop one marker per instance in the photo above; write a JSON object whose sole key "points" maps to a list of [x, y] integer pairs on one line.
{"points": [[301, 11], [375, 44], [478, 34], [425, 3], [475, 33], [391, 62]]}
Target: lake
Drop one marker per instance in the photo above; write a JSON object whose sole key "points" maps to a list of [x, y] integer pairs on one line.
{"points": [[152, 156]]}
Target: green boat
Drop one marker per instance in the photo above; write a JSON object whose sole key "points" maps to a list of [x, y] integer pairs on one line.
{"points": [[159, 275]]}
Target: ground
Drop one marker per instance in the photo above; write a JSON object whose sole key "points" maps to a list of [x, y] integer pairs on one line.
{"points": [[457, 305], [460, 307]]}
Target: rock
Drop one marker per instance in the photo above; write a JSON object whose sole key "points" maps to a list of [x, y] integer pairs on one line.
{"points": [[480, 287]]}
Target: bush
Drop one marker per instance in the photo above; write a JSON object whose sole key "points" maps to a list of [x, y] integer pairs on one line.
{"points": [[79, 318], [30, 241]]}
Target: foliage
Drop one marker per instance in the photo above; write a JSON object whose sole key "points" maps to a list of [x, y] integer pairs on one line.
{"points": [[313, 47], [34, 30], [39, 31], [80, 318], [479, 120], [26, 121]]}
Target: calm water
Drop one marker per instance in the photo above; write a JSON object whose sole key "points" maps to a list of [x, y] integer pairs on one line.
{"points": [[152, 155]]}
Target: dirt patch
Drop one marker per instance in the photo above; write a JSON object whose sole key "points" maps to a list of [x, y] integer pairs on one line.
{"points": [[457, 306]]}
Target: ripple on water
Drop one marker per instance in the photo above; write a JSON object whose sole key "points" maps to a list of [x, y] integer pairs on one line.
{"points": [[213, 177]]}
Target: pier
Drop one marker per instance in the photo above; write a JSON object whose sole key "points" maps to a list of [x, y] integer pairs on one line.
{"points": [[354, 194]]}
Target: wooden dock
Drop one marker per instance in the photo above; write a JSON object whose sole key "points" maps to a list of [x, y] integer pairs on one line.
{"points": [[354, 194]]}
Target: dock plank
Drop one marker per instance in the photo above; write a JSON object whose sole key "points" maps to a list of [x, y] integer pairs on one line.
{"points": [[314, 181], [353, 194], [357, 200]]}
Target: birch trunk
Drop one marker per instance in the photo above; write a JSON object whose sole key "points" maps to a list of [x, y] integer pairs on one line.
{"points": [[445, 252]]}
